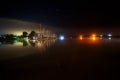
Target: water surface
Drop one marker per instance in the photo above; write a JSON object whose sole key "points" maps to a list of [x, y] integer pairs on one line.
{"points": [[85, 59]]}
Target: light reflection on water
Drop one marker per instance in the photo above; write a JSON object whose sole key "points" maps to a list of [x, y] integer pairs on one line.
{"points": [[32, 43], [18, 49], [71, 58]]}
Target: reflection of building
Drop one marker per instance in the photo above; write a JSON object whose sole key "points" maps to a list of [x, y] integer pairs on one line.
{"points": [[41, 43]]}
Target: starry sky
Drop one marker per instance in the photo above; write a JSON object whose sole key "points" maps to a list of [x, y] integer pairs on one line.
{"points": [[68, 14]]}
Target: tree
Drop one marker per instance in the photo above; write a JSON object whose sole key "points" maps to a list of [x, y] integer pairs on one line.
{"points": [[32, 35], [25, 34]]}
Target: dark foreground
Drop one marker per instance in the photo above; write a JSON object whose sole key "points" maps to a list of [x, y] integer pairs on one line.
{"points": [[65, 60]]}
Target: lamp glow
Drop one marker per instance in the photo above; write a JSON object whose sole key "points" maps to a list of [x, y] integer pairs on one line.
{"points": [[109, 35], [93, 36], [81, 37], [61, 37]]}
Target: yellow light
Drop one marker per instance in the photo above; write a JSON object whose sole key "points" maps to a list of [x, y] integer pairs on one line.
{"points": [[93, 39], [93, 36], [81, 37], [17, 33]]}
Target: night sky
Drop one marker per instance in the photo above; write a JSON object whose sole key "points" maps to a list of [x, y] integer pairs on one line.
{"points": [[69, 14]]}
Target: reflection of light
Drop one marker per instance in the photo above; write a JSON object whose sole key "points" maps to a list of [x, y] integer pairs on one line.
{"points": [[39, 44], [109, 38], [93, 38], [101, 38], [109, 35], [33, 41], [61, 37], [81, 37], [18, 43], [25, 39], [101, 35]]}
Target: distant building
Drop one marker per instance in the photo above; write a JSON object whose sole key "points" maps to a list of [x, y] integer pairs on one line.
{"points": [[46, 35], [41, 33]]}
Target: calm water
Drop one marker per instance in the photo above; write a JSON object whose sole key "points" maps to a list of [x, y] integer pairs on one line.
{"points": [[60, 60]]}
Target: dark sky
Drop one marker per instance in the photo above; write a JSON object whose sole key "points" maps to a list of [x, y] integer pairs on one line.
{"points": [[80, 14]]}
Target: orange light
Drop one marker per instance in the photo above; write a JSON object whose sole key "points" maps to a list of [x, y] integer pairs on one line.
{"points": [[93, 36], [81, 37]]}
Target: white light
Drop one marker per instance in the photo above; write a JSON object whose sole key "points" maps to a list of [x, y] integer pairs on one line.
{"points": [[61, 38], [101, 35], [109, 35], [109, 38]]}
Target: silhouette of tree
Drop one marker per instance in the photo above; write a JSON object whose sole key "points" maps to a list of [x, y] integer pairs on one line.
{"points": [[32, 35], [25, 34]]}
